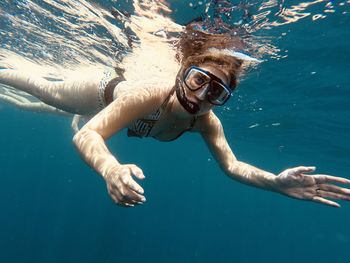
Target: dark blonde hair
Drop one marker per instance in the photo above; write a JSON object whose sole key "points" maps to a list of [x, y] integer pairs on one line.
{"points": [[194, 48]]}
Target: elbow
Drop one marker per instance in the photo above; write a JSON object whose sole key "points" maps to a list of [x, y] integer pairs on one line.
{"points": [[231, 169], [84, 137], [80, 137], [76, 138]]}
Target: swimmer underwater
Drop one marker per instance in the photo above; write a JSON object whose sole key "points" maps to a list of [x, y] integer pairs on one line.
{"points": [[208, 75]]}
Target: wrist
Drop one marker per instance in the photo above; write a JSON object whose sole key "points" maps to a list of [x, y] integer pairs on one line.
{"points": [[251, 175], [272, 183], [109, 168]]}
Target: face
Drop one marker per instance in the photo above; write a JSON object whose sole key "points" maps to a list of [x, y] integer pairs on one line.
{"points": [[205, 86]]}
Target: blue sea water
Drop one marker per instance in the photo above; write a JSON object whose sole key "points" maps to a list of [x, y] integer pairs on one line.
{"points": [[288, 112]]}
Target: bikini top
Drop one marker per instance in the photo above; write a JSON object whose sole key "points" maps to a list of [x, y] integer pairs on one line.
{"points": [[143, 127]]}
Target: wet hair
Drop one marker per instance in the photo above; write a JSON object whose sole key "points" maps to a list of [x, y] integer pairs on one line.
{"points": [[195, 48]]}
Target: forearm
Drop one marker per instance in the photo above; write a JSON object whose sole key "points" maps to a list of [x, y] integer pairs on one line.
{"points": [[93, 150], [251, 175]]}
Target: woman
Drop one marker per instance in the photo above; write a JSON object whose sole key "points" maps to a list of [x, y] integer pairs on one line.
{"points": [[207, 77]]}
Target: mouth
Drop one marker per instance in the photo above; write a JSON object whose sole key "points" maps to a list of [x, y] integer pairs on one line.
{"points": [[194, 100], [190, 106], [191, 97]]}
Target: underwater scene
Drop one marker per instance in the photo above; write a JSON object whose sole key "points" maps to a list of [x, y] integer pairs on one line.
{"points": [[291, 108]]}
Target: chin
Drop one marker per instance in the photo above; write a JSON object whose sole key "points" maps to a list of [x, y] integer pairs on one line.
{"points": [[204, 110]]}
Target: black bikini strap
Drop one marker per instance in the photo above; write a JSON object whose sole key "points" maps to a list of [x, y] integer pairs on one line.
{"points": [[168, 98], [109, 90]]}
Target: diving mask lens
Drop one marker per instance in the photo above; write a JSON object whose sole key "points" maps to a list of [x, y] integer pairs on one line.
{"points": [[216, 92], [196, 79]]}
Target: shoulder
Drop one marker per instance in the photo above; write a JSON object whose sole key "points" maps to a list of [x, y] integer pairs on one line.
{"points": [[208, 124], [132, 101], [149, 88]]}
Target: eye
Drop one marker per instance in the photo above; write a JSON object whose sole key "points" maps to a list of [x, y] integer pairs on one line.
{"points": [[216, 90], [198, 80]]}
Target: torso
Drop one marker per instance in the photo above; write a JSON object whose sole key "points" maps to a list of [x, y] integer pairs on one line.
{"points": [[161, 124]]}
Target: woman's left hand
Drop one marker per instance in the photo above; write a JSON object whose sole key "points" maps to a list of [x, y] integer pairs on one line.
{"points": [[318, 188]]}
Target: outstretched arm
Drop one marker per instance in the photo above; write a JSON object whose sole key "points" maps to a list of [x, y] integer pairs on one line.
{"points": [[292, 182], [90, 142]]}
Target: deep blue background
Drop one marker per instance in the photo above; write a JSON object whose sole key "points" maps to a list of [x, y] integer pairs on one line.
{"points": [[55, 209]]}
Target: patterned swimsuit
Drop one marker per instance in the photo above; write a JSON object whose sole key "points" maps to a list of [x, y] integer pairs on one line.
{"points": [[140, 127]]}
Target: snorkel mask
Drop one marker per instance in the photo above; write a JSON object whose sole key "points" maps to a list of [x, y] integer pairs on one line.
{"points": [[216, 91], [188, 105], [194, 79]]}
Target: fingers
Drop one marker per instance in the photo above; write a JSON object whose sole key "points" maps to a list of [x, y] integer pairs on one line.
{"points": [[322, 178], [118, 200], [303, 169], [123, 189], [131, 184], [332, 195], [324, 201], [334, 189], [131, 196], [125, 197], [136, 171], [325, 191]]}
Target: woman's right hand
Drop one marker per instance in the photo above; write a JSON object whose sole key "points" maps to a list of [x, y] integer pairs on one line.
{"points": [[122, 188]]}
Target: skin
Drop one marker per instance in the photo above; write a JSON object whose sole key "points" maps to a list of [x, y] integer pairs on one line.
{"points": [[135, 103], [136, 100]]}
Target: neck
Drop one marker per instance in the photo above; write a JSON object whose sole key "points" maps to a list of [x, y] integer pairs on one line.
{"points": [[176, 110]]}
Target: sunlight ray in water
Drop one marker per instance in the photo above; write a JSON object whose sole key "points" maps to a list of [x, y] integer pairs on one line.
{"points": [[291, 109], [59, 37], [67, 33]]}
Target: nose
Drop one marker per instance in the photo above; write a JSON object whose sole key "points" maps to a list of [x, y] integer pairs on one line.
{"points": [[202, 93]]}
